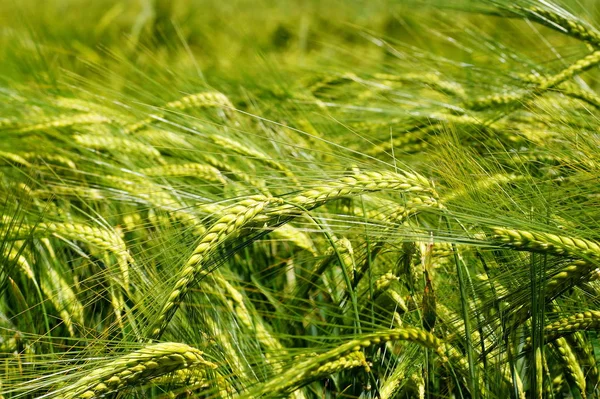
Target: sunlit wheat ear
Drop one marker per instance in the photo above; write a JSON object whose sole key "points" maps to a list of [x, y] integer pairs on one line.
{"points": [[538, 363], [568, 89], [292, 235], [69, 192], [14, 159], [572, 275], [235, 218], [485, 184], [286, 233], [557, 385], [357, 184], [202, 100], [157, 196], [433, 80], [421, 134], [195, 380], [387, 211], [393, 383], [41, 157], [325, 82], [134, 369], [51, 286]]}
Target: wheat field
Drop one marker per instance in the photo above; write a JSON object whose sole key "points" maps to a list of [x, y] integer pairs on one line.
{"points": [[299, 199]]}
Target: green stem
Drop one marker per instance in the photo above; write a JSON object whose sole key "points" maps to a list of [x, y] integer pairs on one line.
{"points": [[464, 300]]}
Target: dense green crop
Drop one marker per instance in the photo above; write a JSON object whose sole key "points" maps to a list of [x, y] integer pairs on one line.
{"points": [[316, 199]]}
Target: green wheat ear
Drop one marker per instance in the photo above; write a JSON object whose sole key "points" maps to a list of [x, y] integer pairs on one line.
{"points": [[136, 368]]}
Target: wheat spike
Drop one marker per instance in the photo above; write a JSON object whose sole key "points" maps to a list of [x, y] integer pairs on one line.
{"points": [[201, 171], [59, 159], [112, 143], [14, 158], [234, 219], [66, 121], [303, 370], [199, 100], [98, 237], [77, 104], [543, 86], [588, 320], [571, 364], [547, 243], [356, 184], [561, 23], [230, 144], [135, 368]]}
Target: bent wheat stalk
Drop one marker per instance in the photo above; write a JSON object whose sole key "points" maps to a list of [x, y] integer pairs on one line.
{"points": [[234, 219], [543, 86], [566, 23], [251, 209]]}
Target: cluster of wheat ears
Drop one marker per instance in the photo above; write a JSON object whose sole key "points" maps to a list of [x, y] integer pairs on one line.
{"points": [[422, 221]]}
